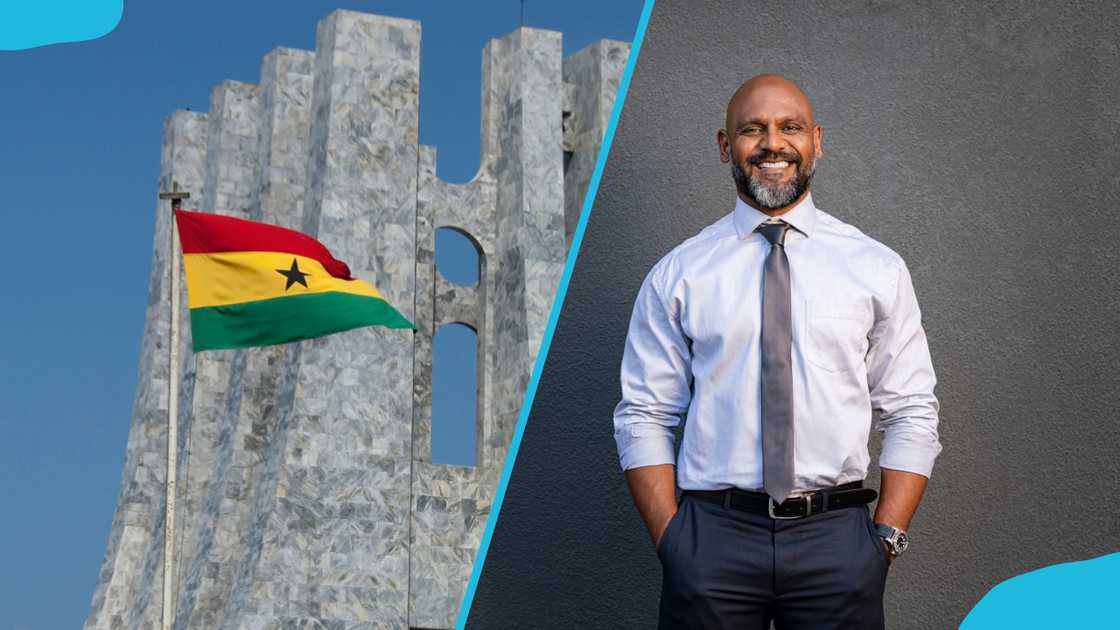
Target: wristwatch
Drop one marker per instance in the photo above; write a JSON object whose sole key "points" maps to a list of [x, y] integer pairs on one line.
{"points": [[897, 540]]}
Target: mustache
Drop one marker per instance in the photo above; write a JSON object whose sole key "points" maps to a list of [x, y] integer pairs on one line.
{"points": [[773, 156]]}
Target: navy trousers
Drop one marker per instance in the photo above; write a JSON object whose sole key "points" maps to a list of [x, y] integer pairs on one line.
{"points": [[723, 568]]}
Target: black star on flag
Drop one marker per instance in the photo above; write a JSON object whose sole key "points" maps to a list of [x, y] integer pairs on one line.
{"points": [[294, 275]]}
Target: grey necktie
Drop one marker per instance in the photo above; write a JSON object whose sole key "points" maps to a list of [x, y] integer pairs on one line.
{"points": [[777, 369]]}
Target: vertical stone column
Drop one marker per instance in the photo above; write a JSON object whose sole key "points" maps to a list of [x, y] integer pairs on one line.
{"points": [[425, 308], [591, 79], [525, 72], [232, 161], [137, 527], [286, 84], [335, 544], [231, 166], [231, 177], [468, 208], [449, 503], [249, 415]]}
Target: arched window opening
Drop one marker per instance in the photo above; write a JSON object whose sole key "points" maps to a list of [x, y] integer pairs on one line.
{"points": [[454, 394], [457, 257]]}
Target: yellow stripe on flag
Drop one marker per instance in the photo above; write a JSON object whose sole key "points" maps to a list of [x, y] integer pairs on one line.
{"points": [[237, 277]]}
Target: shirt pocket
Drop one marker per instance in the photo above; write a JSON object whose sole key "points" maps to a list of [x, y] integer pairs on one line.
{"points": [[836, 334]]}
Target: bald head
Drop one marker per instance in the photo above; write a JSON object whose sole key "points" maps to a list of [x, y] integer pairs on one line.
{"points": [[768, 87], [771, 141]]}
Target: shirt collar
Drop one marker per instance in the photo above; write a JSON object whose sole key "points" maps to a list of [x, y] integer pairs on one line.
{"points": [[802, 217]]}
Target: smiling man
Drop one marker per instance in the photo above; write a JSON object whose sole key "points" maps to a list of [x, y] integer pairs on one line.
{"points": [[775, 332]]}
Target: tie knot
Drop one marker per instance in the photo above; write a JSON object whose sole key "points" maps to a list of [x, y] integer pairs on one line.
{"points": [[774, 231]]}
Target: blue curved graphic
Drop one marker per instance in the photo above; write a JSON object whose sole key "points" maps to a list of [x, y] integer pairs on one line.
{"points": [[1069, 595], [31, 23]]}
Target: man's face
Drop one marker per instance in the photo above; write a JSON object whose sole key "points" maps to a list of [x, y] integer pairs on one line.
{"points": [[771, 143]]}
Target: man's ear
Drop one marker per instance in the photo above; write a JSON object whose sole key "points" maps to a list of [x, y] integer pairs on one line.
{"points": [[724, 146], [817, 142]]}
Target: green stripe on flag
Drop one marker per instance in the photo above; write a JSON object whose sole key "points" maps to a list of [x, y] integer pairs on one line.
{"points": [[280, 320]]}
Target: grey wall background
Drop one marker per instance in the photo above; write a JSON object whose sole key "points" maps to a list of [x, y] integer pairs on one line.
{"points": [[980, 142]]}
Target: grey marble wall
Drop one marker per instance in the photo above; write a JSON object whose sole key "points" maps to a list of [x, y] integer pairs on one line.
{"points": [[232, 166], [220, 530], [591, 79], [335, 547], [308, 494]]}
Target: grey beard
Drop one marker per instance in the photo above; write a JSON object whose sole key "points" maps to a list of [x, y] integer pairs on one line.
{"points": [[773, 196]]}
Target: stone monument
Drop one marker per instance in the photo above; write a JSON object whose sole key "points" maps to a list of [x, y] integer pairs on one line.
{"points": [[307, 495]]}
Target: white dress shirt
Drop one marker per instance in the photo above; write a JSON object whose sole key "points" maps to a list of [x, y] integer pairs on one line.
{"points": [[694, 347]]}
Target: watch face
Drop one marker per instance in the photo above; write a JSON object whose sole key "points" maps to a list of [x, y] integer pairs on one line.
{"points": [[903, 542]]}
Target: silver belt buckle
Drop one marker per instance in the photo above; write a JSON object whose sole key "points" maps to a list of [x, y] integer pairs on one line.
{"points": [[808, 509]]}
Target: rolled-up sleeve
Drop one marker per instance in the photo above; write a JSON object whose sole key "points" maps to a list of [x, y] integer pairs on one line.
{"points": [[656, 376], [901, 381]]}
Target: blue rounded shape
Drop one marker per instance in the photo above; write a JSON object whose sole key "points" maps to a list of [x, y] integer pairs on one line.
{"points": [[1069, 595], [31, 23]]}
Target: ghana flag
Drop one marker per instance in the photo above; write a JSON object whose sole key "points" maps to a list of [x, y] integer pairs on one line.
{"points": [[254, 284]]}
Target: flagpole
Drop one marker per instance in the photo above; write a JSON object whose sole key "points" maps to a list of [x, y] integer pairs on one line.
{"points": [[176, 197]]}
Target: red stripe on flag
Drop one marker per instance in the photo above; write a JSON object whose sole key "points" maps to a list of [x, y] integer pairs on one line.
{"points": [[204, 233]]}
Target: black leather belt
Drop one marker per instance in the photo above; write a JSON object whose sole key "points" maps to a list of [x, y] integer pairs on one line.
{"points": [[842, 496]]}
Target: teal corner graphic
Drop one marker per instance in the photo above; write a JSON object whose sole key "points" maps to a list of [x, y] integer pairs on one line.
{"points": [[1069, 595], [31, 23]]}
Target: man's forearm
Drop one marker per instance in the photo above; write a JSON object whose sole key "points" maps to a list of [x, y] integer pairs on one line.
{"points": [[654, 491], [899, 495]]}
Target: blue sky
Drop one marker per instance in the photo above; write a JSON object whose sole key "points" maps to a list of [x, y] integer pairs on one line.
{"points": [[79, 164]]}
